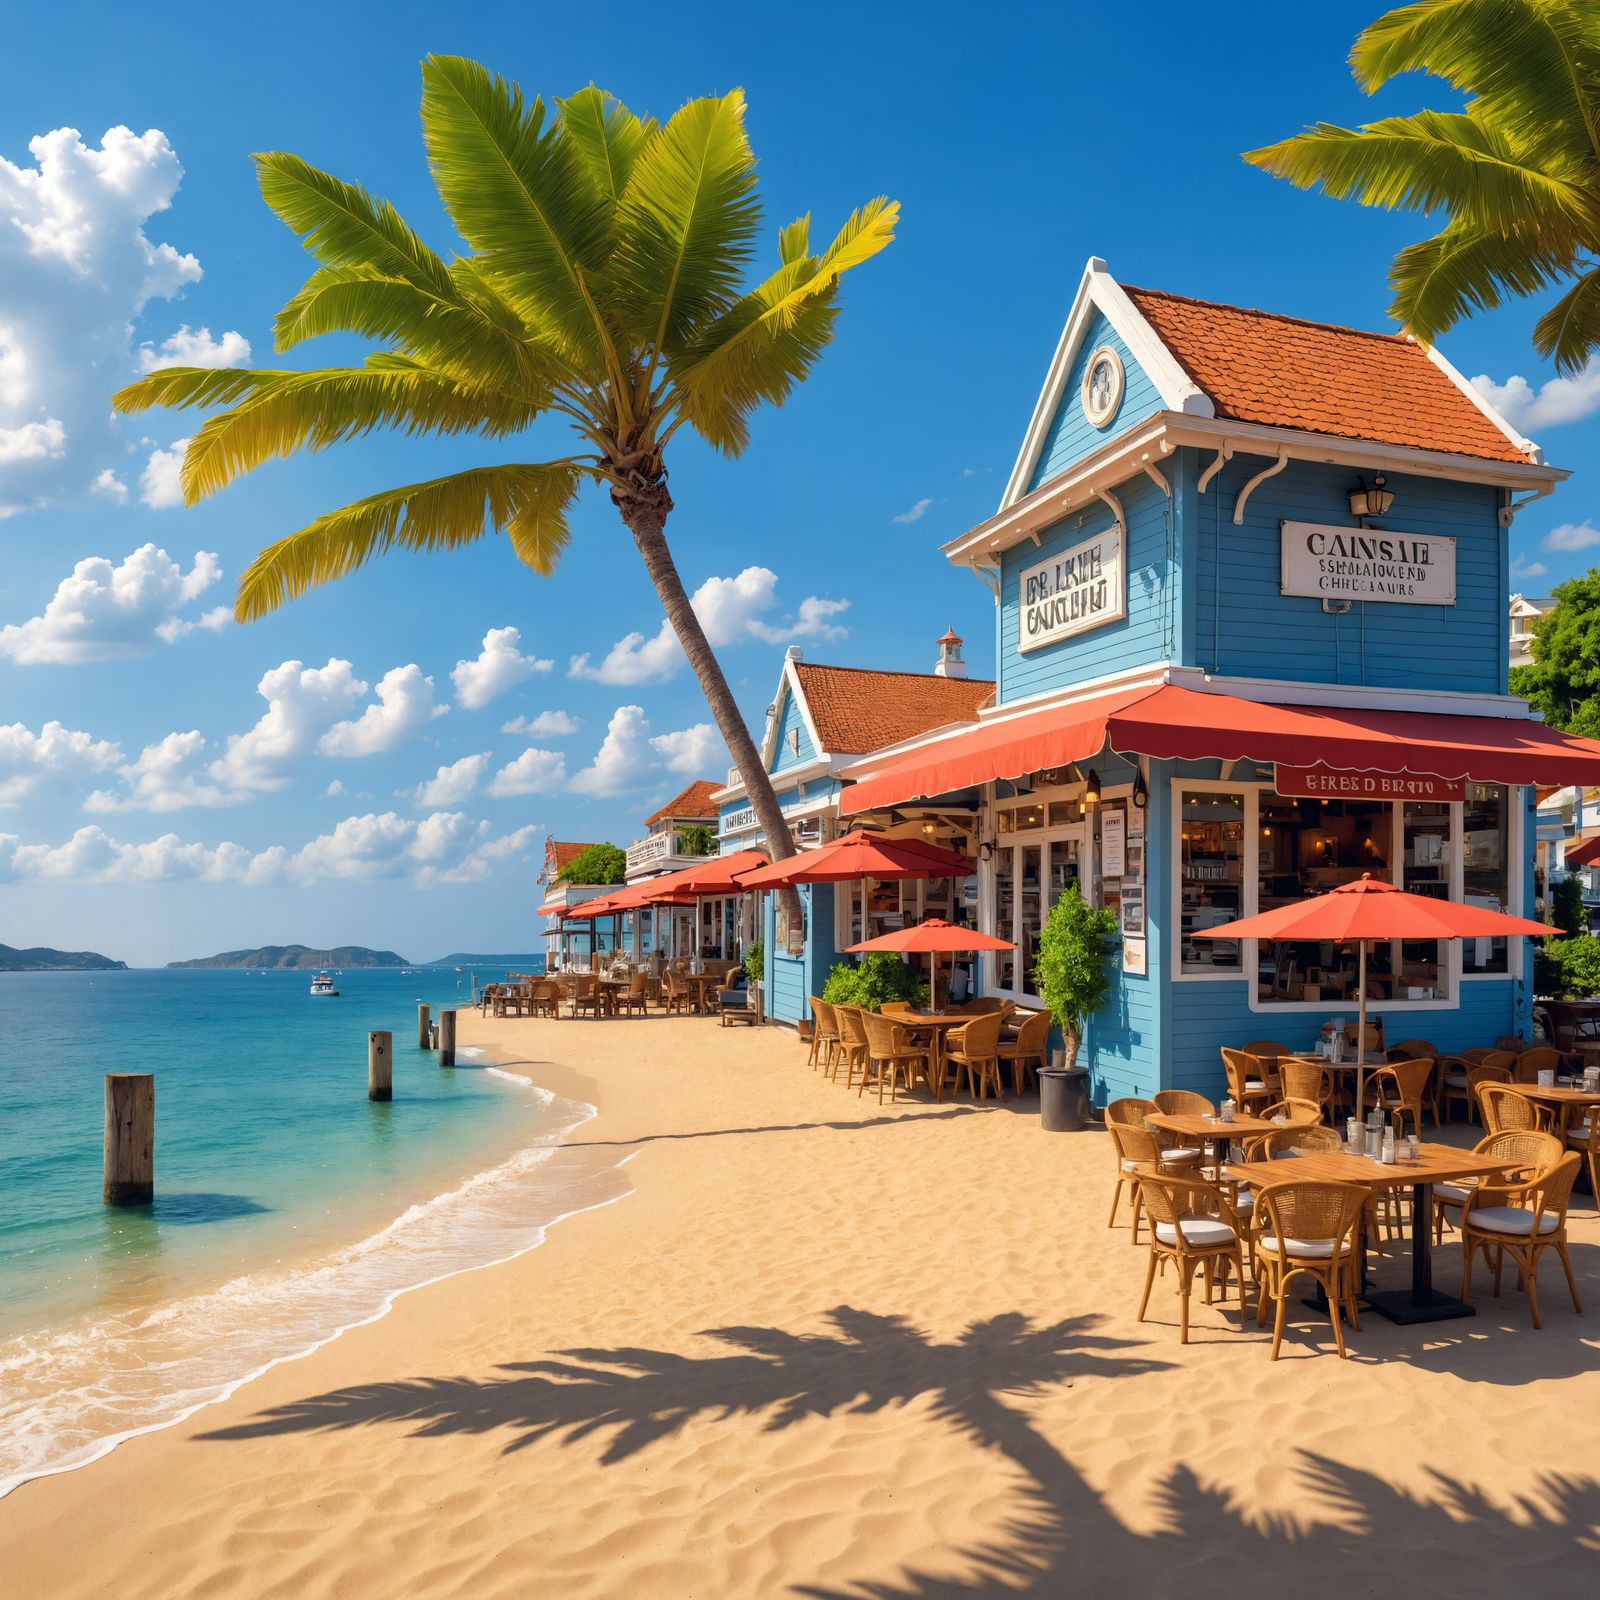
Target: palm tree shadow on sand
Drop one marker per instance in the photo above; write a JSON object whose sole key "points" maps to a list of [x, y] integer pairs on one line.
{"points": [[1064, 1539]]}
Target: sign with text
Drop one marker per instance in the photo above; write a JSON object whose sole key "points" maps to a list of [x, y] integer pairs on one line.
{"points": [[1332, 563], [1082, 588], [1327, 783]]}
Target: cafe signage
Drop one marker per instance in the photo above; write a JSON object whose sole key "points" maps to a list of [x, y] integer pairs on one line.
{"points": [[1321, 782], [1079, 589], [1332, 563]]}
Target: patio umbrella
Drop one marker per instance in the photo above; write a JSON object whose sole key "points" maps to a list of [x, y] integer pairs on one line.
{"points": [[937, 937], [1364, 911]]}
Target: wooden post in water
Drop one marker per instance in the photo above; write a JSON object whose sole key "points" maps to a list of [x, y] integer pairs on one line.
{"points": [[447, 1038], [130, 1139], [424, 1033], [380, 1063]]}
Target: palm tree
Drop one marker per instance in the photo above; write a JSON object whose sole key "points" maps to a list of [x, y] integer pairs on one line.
{"points": [[1517, 170], [602, 285]]}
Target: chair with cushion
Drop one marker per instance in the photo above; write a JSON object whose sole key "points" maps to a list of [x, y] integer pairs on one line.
{"points": [[824, 1034], [635, 999], [974, 1051], [852, 1044], [1136, 1150], [1534, 1152], [1583, 1135], [1308, 1230], [1505, 1109], [1027, 1050], [1193, 1226], [1248, 1082], [1183, 1103], [1401, 1090], [736, 1005], [891, 1054], [1492, 1221], [1306, 1080], [1459, 1077]]}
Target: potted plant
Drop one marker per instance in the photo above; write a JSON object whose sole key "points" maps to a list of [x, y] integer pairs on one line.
{"points": [[877, 977], [1073, 977], [755, 960]]}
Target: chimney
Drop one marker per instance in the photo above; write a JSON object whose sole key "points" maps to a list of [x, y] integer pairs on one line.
{"points": [[950, 664]]}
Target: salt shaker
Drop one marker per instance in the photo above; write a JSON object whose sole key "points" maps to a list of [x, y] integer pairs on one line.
{"points": [[1387, 1156]]}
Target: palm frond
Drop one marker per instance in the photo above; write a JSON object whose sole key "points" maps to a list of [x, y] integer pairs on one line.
{"points": [[686, 224], [1462, 269], [794, 241], [441, 514], [607, 134], [1570, 330]]}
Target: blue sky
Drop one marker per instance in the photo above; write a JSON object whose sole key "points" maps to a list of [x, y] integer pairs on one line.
{"points": [[234, 798]]}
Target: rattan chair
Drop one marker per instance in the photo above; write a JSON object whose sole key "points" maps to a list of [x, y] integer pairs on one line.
{"points": [[1027, 1050], [585, 994], [679, 996], [1534, 1151], [1318, 1139], [1308, 1230], [853, 1046], [974, 1051], [635, 999], [1302, 1112], [1401, 1090], [1303, 1079], [1183, 1102], [1584, 1137], [1532, 1062], [890, 1054], [982, 1005], [1459, 1078], [1248, 1082], [1136, 1149], [1505, 1109], [1192, 1225], [1524, 1232], [824, 1034], [1268, 1052]]}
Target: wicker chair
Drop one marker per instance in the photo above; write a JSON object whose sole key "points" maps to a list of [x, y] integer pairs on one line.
{"points": [[1584, 1137], [679, 996], [982, 1005], [891, 1054], [1183, 1102], [1523, 1232], [974, 1051], [1532, 1062], [1412, 1050], [824, 1034], [1459, 1077], [1308, 1230], [1248, 1082], [585, 994], [1307, 1080], [1401, 1089], [1136, 1149], [1268, 1052], [1505, 1110], [1299, 1112], [1027, 1050], [1191, 1225], [635, 999], [1537, 1152], [853, 1046], [1317, 1139]]}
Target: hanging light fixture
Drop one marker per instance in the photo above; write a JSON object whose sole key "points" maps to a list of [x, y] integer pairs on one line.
{"points": [[1371, 499], [1141, 792], [1091, 789]]}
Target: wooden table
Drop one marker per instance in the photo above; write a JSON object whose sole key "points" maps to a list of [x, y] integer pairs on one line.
{"points": [[1435, 1163], [1196, 1125], [1564, 1097], [936, 1024], [699, 982]]}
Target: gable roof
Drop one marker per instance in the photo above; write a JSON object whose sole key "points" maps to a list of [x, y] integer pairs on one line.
{"points": [[695, 801], [858, 709], [559, 853], [1287, 372]]}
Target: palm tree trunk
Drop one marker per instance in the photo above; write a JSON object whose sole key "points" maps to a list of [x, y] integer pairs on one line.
{"points": [[644, 511]]}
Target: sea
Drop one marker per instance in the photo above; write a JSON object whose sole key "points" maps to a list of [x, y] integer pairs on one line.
{"points": [[287, 1208]]}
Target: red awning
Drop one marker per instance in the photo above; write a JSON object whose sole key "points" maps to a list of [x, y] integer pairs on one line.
{"points": [[713, 876], [1585, 854], [1178, 724]]}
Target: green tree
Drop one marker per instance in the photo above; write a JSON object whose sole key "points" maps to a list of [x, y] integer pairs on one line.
{"points": [[597, 863], [1566, 906], [1563, 682], [697, 840], [1516, 170], [878, 976], [1073, 970], [603, 286]]}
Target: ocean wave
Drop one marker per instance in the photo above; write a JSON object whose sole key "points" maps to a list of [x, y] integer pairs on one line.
{"points": [[70, 1395]]}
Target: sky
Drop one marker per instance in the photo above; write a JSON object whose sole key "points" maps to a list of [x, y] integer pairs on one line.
{"points": [[380, 762]]}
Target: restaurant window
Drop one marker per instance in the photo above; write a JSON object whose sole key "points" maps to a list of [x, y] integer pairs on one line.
{"points": [[1420, 968], [1485, 870], [1211, 878], [1038, 855]]}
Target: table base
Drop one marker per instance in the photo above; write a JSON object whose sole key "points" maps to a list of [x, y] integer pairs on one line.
{"points": [[1401, 1306]]}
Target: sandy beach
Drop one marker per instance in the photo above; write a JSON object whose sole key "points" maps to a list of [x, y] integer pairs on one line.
{"points": [[816, 1348]]}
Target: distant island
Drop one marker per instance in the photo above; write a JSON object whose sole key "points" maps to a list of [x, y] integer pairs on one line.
{"points": [[299, 955], [514, 963], [43, 959]]}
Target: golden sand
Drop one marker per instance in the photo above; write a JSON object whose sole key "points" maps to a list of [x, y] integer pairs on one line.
{"points": [[825, 1350]]}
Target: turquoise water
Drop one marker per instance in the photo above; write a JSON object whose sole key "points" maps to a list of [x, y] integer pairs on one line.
{"points": [[287, 1205]]}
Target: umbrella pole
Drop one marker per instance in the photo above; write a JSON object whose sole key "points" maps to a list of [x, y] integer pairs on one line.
{"points": [[1361, 1033]]}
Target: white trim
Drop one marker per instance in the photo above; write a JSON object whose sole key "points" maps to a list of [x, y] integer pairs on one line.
{"points": [[1520, 441], [1242, 499], [803, 772]]}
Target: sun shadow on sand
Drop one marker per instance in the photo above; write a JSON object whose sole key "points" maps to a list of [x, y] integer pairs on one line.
{"points": [[1064, 1540]]}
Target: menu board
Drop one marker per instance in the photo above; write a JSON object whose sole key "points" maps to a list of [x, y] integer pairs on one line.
{"points": [[1113, 841]]}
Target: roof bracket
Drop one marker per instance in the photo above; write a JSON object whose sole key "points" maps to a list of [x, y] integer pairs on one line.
{"points": [[1154, 473], [989, 577], [1224, 454], [1115, 504], [1509, 510], [1260, 478]]}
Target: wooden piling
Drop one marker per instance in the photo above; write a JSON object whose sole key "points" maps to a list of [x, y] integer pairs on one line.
{"points": [[447, 1038], [380, 1064], [424, 1032], [130, 1139]]}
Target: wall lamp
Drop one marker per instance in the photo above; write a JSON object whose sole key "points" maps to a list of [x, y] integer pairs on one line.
{"points": [[1371, 499], [1141, 792], [986, 849], [1091, 788]]}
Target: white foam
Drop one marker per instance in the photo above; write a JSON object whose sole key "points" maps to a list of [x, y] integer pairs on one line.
{"points": [[72, 1394]]}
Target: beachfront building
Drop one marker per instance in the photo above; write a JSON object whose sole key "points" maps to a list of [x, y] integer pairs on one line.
{"points": [[1526, 610], [1249, 577], [677, 834], [567, 942]]}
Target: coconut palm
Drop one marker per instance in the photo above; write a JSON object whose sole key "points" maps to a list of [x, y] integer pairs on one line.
{"points": [[1517, 170], [603, 285]]}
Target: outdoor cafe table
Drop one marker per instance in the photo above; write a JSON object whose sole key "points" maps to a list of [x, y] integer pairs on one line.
{"points": [[1564, 1097], [699, 982], [936, 1024], [1435, 1163], [1196, 1125]]}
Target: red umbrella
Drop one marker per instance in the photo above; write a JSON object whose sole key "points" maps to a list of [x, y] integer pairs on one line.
{"points": [[1365, 910], [936, 937], [860, 854]]}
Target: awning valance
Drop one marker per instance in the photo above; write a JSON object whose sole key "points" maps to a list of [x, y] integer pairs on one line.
{"points": [[1178, 724]]}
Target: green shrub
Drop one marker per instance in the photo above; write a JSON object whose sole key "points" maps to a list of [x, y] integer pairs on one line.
{"points": [[1073, 973], [1567, 910], [755, 961], [697, 840], [878, 977], [1568, 969], [600, 863]]}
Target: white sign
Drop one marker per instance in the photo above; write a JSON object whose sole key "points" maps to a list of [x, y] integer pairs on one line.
{"points": [[1112, 825], [1082, 588], [1133, 956], [1330, 563]]}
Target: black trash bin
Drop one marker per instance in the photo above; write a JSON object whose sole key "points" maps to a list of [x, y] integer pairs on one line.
{"points": [[1064, 1099]]}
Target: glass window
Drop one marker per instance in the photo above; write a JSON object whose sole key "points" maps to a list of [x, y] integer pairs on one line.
{"points": [[1211, 875], [1423, 964], [1485, 870]]}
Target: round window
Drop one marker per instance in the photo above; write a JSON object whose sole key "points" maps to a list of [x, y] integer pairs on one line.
{"points": [[1102, 386]]}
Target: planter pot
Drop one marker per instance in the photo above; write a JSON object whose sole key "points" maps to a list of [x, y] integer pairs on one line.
{"points": [[1064, 1099], [758, 1001]]}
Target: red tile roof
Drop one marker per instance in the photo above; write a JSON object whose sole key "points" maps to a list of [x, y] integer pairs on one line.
{"points": [[695, 801], [857, 709], [1285, 372], [559, 853]]}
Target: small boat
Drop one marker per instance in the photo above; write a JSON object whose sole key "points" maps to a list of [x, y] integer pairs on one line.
{"points": [[322, 984]]}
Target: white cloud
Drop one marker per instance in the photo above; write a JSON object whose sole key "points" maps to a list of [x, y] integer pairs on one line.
{"points": [[27, 757], [623, 759], [197, 349], [161, 482], [92, 855], [479, 862], [533, 772], [213, 621], [302, 702], [405, 704], [692, 752], [1558, 400], [547, 725], [1522, 567], [498, 667], [162, 779], [334, 790], [76, 269], [730, 610], [1572, 536], [914, 513], [106, 613], [450, 785], [108, 484]]}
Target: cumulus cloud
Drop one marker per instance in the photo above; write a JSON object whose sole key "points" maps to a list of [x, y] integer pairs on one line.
{"points": [[26, 758], [76, 270], [547, 725], [302, 702], [107, 484], [693, 752], [533, 772], [334, 790], [498, 667], [107, 613], [405, 704], [630, 755], [450, 785], [914, 513], [162, 778], [1572, 536], [92, 855], [161, 482], [1556, 401], [1522, 567], [730, 610], [197, 349]]}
